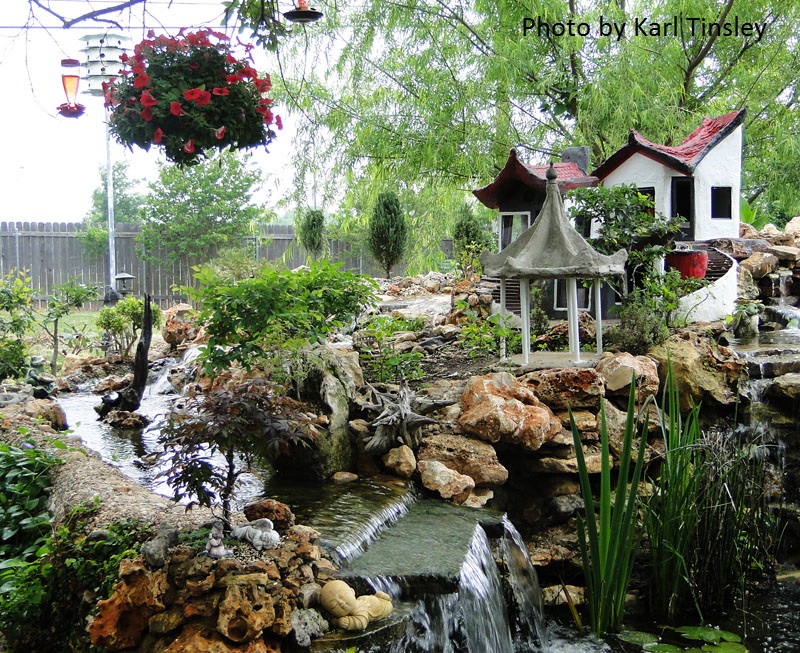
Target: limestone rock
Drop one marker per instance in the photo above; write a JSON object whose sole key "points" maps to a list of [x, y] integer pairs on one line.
{"points": [[704, 371], [760, 264], [793, 226], [497, 408], [155, 551], [179, 324], [746, 286], [563, 387], [49, 411], [479, 497], [245, 612], [122, 619], [308, 624], [401, 461], [786, 386], [473, 458], [74, 362], [448, 483], [278, 513], [785, 253], [617, 369], [343, 478], [198, 639]]}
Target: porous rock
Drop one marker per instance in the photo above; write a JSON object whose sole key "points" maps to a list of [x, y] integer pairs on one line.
{"points": [[448, 483], [473, 458], [400, 461]]}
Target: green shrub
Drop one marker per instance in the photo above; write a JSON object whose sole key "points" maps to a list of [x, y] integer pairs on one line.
{"points": [[470, 238], [379, 359], [388, 232], [242, 318], [12, 358], [642, 324], [311, 232], [124, 322]]}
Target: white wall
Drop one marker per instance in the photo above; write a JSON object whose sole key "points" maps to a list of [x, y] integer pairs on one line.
{"points": [[722, 166]]}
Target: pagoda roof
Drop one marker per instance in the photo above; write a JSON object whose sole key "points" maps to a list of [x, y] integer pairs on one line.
{"points": [[552, 248], [684, 157], [516, 172]]}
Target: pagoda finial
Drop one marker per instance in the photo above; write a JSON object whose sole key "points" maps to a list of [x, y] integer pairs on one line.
{"points": [[551, 173]]}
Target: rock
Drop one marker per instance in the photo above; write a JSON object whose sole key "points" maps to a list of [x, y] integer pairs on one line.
{"points": [[112, 384], [343, 478], [786, 253], [447, 331], [156, 551], [746, 286], [308, 595], [786, 386], [306, 625], [558, 335], [704, 371], [497, 408], [179, 324], [563, 387], [74, 362], [166, 622], [793, 226], [278, 513], [557, 465], [617, 370], [479, 497], [49, 411], [585, 421], [448, 483], [199, 639], [562, 507], [760, 264], [400, 461], [122, 620], [245, 612], [741, 248], [473, 458]]}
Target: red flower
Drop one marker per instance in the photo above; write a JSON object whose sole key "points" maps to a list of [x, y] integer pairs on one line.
{"points": [[220, 91], [188, 146], [140, 81], [230, 58], [220, 133], [147, 99], [175, 108], [157, 134], [279, 122], [147, 114], [192, 94], [233, 79], [138, 67], [203, 99], [248, 71]]}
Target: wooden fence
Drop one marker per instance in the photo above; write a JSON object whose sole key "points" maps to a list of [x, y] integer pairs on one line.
{"points": [[53, 253]]}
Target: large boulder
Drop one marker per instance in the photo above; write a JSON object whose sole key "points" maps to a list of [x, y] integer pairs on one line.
{"points": [[567, 387], [703, 370], [446, 482], [474, 458], [760, 264], [497, 408], [179, 324]]}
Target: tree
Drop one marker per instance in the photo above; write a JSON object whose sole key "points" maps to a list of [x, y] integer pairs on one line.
{"points": [[388, 232], [127, 203], [470, 238], [65, 298], [190, 212], [311, 232]]}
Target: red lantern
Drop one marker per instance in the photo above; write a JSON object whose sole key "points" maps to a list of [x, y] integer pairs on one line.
{"points": [[70, 78]]}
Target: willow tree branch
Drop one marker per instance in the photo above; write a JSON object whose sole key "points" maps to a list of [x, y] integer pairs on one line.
{"points": [[95, 14]]}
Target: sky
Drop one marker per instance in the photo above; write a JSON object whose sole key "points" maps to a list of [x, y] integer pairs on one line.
{"points": [[49, 165]]}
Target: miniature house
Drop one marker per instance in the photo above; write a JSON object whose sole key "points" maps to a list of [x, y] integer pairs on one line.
{"points": [[699, 179]]}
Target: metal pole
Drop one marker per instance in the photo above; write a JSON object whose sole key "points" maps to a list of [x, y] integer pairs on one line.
{"points": [[112, 239]]}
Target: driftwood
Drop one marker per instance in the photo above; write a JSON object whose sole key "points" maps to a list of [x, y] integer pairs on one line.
{"points": [[398, 416], [130, 397]]}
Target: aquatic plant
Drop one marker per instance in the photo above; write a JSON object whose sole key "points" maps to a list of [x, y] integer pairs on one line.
{"points": [[609, 537]]}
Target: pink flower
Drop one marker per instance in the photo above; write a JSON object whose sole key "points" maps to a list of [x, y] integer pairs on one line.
{"points": [[175, 108], [220, 133], [279, 122], [157, 135], [188, 146]]}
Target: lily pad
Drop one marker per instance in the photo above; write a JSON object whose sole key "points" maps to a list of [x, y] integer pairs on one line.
{"points": [[663, 648], [725, 647], [638, 637], [708, 634]]}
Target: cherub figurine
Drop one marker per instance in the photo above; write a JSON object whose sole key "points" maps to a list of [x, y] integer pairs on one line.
{"points": [[349, 612], [259, 533], [215, 548]]}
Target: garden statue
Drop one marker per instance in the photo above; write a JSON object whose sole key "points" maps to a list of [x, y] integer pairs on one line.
{"points": [[38, 378], [259, 533], [215, 548], [349, 612]]}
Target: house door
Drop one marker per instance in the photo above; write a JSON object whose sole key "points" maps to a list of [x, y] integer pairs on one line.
{"points": [[682, 196]]}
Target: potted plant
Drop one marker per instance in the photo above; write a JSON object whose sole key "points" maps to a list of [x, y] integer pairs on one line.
{"points": [[187, 95]]}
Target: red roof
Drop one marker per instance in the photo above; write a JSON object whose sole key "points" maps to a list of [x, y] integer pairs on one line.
{"points": [[516, 172], [684, 157]]}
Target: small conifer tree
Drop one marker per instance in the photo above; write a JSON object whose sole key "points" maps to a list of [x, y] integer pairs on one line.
{"points": [[311, 232], [388, 231]]}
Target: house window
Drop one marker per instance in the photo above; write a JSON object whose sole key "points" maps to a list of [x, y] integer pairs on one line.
{"points": [[511, 227], [560, 296], [650, 193], [721, 202]]}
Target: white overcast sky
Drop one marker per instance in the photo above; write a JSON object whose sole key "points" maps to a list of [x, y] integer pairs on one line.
{"points": [[49, 165]]}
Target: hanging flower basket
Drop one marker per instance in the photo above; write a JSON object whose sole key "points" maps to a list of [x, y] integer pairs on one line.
{"points": [[189, 95]]}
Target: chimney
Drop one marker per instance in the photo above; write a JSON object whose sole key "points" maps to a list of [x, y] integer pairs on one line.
{"points": [[577, 155]]}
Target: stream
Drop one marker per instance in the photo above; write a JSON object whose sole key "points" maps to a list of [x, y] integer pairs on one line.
{"points": [[437, 560]]}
